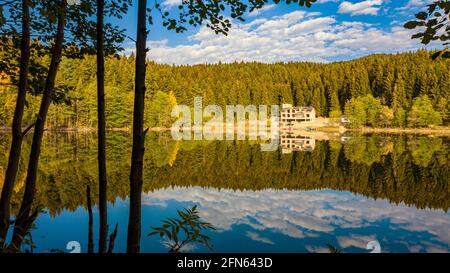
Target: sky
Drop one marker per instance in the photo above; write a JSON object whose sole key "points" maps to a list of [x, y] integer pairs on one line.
{"points": [[331, 30]]}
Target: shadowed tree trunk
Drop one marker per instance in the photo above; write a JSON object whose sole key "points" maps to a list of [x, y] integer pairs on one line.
{"points": [[25, 227], [112, 239], [17, 134], [30, 182], [90, 222], [137, 157], [101, 128]]}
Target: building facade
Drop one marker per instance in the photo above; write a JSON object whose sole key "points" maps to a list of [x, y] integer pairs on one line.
{"points": [[291, 115]]}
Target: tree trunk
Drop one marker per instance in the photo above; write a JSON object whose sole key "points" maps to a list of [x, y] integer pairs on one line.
{"points": [[137, 157], [30, 182], [17, 135], [101, 129], [90, 222], [112, 239]]}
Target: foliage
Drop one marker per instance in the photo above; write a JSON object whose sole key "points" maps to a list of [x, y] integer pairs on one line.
{"points": [[394, 80], [355, 110], [83, 27], [334, 250], [80, 31], [399, 118], [385, 117], [368, 111], [160, 109], [443, 108], [423, 114], [374, 166], [185, 230], [436, 23], [196, 13]]}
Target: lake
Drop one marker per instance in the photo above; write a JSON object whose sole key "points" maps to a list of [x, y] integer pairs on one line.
{"points": [[318, 191]]}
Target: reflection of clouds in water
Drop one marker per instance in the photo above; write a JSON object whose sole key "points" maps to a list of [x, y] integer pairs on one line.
{"points": [[256, 237], [301, 214], [359, 241], [185, 249], [317, 249]]}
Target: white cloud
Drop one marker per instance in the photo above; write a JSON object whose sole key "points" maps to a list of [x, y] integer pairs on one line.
{"points": [[417, 3], [295, 36], [368, 7], [325, 1], [265, 8], [413, 5], [172, 3]]}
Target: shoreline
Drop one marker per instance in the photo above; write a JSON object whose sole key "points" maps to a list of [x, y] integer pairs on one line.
{"points": [[427, 131], [84, 130], [327, 129]]}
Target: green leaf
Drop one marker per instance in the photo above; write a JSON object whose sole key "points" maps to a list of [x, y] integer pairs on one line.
{"points": [[422, 15], [411, 24]]}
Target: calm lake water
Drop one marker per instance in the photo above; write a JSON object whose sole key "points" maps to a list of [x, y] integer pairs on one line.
{"points": [[343, 191]]}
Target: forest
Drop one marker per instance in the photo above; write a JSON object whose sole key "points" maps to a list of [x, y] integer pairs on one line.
{"points": [[393, 80], [403, 169], [60, 67]]}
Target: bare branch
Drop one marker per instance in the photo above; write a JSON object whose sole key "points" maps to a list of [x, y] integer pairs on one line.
{"points": [[25, 132]]}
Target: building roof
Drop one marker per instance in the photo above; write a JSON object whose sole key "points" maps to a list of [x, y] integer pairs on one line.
{"points": [[300, 108]]}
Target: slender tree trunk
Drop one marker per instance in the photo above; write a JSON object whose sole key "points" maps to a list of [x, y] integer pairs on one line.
{"points": [[101, 129], [90, 222], [17, 135], [30, 182], [112, 239], [137, 158]]}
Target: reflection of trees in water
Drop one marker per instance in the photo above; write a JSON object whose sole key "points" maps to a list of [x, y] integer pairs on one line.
{"points": [[112, 236], [410, 169]]}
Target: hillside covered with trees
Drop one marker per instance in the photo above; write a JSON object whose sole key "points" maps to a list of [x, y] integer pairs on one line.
{"points": [[407, 169], [396, 86]]}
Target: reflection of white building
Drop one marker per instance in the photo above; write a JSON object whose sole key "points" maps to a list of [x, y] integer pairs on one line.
{"points": [[291, 142], [291, 115]]}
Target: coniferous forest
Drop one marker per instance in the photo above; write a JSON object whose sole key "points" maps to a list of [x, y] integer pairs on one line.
{"points": [[63, 68], [404, 169], [395, 80]]}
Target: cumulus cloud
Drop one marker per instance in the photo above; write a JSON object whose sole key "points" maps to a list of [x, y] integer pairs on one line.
{"points": [[411, 4], [295, 36], [265, 8], [368, 7], [172, 3], [411, 7]]}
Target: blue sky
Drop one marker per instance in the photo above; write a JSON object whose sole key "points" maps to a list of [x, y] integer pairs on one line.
{"points": [[330, 30]]}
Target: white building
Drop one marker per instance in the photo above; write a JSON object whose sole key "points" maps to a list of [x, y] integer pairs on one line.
{"points": [[291, 115]]}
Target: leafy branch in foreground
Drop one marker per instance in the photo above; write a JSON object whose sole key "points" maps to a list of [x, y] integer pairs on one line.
{"points": [[334, 250], [436, 24], [185, 230]]}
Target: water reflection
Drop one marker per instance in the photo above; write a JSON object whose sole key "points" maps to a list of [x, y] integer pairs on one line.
{"points": [[299, 198], [311, 218], [269, 221], [294, 142]]}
